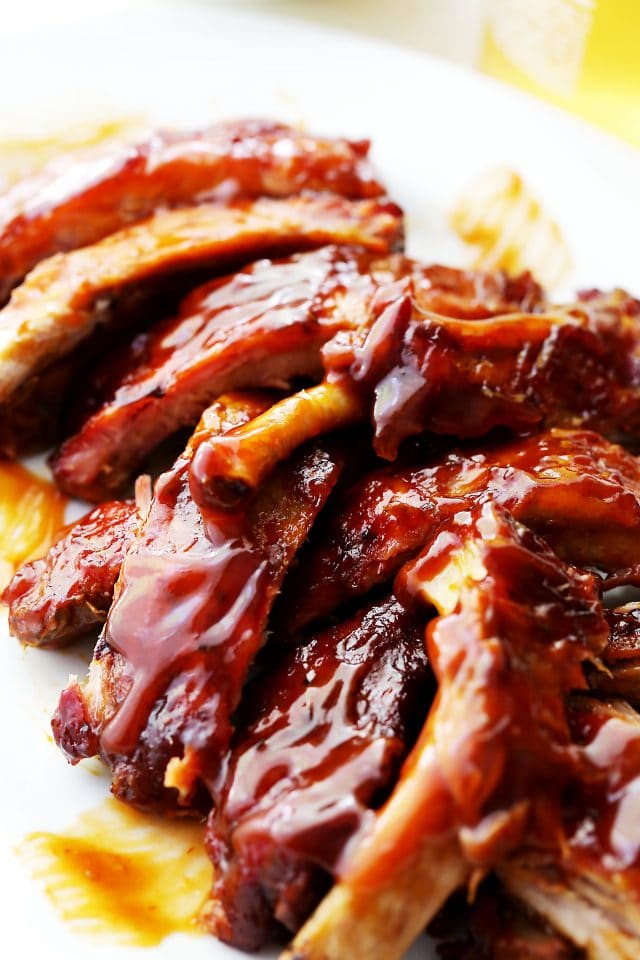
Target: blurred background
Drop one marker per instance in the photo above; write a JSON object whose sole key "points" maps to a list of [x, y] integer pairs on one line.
{"points": [[581, 55]]}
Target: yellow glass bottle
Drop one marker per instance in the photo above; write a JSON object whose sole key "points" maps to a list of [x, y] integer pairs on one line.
{"points": [[583, 55]]}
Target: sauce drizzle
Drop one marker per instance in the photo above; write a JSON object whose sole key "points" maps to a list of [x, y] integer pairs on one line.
{"points": [[499, 215], [31, 512], [123, 876]]}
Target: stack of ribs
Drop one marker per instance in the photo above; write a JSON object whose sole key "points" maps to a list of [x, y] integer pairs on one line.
{"points": [[362, 623]]}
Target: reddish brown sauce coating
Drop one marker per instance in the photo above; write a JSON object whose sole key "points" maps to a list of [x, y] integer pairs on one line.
{"points": [[263, 326], [601, 819], [332, 752], [577, 490], [461, 377], [188, 619], [624, 641], [516, 625], [321, 739], [71, 299], [79, 199], [416, 371], [61, 596]]}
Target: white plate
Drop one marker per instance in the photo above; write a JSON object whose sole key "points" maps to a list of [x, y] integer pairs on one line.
{"points": [[434, 127]]}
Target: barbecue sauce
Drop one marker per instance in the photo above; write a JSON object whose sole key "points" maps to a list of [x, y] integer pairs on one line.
{"points": [[602, 824], [31, 511], [121, 875], [509, 228]]}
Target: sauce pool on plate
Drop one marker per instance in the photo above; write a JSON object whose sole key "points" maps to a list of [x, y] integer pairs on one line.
{"points": [[31, 512], [123, 876]]}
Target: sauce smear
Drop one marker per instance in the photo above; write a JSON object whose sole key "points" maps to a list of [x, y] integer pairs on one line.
{"points": [[124, 876], [499, 215], [31, 511]]}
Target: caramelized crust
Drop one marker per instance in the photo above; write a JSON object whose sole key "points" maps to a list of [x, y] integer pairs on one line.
{"points": [[67, 297], [584, 876], [79, 199], [459, 732], [576, 489], [621, 659], [321, 738], [265, 325], [63, 595], [419, 371], [188, 618], [578, 365], [515, 626]]}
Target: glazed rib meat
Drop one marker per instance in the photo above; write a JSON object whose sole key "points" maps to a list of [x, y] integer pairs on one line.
{"points": [[188, 618], [319, 744], [576, 489], [265, 324], [496, 927], [515, 626], [587, 883], [621, 677], [371, 622], [68, 591], [68, 297], [416, 371], [78, 200]]}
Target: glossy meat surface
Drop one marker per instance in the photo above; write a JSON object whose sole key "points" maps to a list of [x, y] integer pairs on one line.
{"points": [[188, 618], [576, 489], [584, 878], [321, 740], [433, 449], [79, 199], [515, 626], [580, 364], [68, 591], [264, 325], [67, 297], [416, 371]]}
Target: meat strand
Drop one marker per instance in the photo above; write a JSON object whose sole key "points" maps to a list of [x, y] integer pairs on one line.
{"points": [[496, 927], [585, 876]]}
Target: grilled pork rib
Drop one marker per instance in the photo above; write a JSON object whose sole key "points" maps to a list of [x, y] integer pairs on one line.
{"points": [[415, 371], [70, 296], [68, 591], [515, 626], [319, 744], [188, 618], [79, 199], [266, 324], [463, 730], [576, 489]]}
